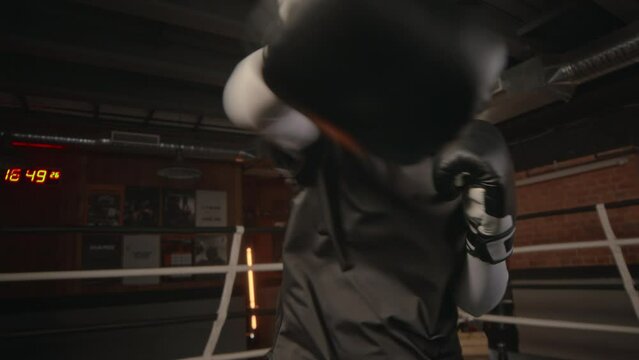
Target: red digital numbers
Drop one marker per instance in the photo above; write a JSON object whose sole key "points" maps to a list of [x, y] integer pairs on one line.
{"points": [[41, 176], [13, 175], [32, 176]]}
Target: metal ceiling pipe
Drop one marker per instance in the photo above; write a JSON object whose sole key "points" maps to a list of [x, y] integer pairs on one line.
{"points": [[546, 79], [621, 53], [166, 149]]}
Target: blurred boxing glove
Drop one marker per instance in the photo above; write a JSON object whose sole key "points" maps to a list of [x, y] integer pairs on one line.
{"points": [[401, 77], [477, 166]]}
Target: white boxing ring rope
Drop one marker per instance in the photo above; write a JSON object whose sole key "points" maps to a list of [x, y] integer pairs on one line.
{"points": [[233, 268], [97, 274]]}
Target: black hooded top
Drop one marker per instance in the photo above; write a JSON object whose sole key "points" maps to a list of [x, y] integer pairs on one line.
{"points": [[371, 258]]}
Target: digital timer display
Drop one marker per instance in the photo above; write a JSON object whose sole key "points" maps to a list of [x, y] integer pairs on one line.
{"points": [[31, 176]]}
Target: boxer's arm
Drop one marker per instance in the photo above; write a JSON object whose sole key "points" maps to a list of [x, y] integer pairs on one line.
{"points": [[477, 167], [250, 104], [481, 286]]}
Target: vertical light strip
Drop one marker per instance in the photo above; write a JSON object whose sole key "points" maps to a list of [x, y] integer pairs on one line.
{"points": [[251, 286]]}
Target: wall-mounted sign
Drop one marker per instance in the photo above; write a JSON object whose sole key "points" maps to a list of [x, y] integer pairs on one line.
{"points": [[31, 176], [210, 208]]}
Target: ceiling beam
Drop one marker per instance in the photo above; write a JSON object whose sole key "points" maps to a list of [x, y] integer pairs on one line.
{"points": [[148, 65], [626, 10], [543, 19], [599, 98], [174, 13], [149, 116], [32, 76], [24, 102], [518, 49], [516, 9], [199, 122]]}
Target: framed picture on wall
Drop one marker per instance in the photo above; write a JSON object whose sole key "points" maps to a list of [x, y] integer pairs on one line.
{"points": [[101, 251], [210, 250], [210, 208], [178, 208], [140, 251], [104, 205], [177, 250], [141, 206]]}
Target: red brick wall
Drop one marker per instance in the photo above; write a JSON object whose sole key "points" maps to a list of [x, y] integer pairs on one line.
{"points": [[267, 201], [601, 186]]}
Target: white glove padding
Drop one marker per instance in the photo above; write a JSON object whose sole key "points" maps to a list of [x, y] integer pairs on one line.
{"points": [[250, 104], [489, 234], [287, 8]]}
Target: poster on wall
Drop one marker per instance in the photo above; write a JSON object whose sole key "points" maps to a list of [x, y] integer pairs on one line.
{"points": [[141, 206], [178, 208], [141, 251], [210, 250], [101, 251], [210, 208], [104, 206], [177, 250]]}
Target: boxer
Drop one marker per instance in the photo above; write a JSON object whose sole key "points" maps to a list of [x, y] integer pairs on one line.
{"points": [[407, 205]]}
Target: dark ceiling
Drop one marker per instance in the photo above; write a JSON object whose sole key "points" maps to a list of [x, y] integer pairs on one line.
{"points": [[86, 67]]}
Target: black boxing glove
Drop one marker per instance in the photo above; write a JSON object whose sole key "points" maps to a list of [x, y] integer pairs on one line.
{"points": [[477, 166], [401, 77]]}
